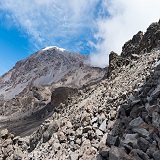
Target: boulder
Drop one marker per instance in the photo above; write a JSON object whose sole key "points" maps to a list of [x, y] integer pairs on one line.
{"points": [[111, 140], [156, 155], [103, 125], [143, 144]]}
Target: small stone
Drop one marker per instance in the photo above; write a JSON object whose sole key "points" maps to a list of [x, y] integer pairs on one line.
{"points": [[143, 144], [95, 125], [78, 141], [143, 132], [131, 139], [101, 118], [156, 155], [110, 124], [86, 129], [138, 155], [94, 120], [90, 151], [61, 137], [137, 123], [7, 142], [57, 146], [104, 150], [4, 133], [151, 109], [156, 119], [89, 108], [103, 139], [99, 133], [116, 153], [74, 156], [103, 125], [69, 124], [112, 115]]}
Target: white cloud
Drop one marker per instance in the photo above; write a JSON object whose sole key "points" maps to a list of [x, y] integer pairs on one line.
{"points": [[126, 19], [71, 24], [51, 22]]}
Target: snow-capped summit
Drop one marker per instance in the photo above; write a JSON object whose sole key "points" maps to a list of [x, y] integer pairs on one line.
{"points": [[53, 47]]}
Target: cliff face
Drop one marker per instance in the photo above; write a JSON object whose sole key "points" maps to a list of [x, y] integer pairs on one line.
{"points": [[138, 45]]}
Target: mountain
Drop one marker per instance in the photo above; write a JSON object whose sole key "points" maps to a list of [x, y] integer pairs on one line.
{"points": [[115, 118], [51, 66], [27, 88]]}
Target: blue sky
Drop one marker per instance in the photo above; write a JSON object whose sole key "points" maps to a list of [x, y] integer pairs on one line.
{"points": [[93, 27]]}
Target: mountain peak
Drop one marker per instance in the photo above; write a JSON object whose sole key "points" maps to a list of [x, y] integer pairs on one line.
{"points": [[53, 47]]}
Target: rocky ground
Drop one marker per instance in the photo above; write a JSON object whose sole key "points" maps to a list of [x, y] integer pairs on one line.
{"points": [[117, 118]]}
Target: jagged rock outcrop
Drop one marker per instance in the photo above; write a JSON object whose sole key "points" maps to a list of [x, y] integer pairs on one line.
{"points": [[132, 46], [139, 134], [139, 44], [116, 62]]}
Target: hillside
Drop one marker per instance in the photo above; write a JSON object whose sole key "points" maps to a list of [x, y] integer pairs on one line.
{"points": [[113, 119]]}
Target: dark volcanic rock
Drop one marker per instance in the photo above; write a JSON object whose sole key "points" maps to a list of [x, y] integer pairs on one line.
{"points": [[132, 45], [115, 62], [61, 94]]}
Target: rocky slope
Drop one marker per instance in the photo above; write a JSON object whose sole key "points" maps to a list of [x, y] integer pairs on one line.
{"points": [[26, 89], [49, 66], [117, 118]]}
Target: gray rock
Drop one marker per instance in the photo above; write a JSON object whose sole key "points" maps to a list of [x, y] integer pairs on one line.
{"points": [[151, 109], [74, 156], [86, 129], [99, 133], [143, 132], [156, 119], [94, 120], [137, 154], [46, 136], [103, 125], [143, 144], [111, 140], [61, 137], [99, 157], [131, 139], [156, 155], [138, 122], [155, 93], [104, 150], [118, 154]]}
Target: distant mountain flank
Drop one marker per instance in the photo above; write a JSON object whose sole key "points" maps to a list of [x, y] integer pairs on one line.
{"points": [[51, 66]]}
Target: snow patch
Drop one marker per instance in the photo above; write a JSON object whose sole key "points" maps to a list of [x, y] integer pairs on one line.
{"points": [[51, 47]]}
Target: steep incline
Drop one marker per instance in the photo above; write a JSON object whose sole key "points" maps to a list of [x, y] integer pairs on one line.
{"points": [[49, 66], [117, 118]]}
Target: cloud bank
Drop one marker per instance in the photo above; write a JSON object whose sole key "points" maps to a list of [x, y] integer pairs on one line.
{"points": [[125, 18], [90, 26], [66, 24]]}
